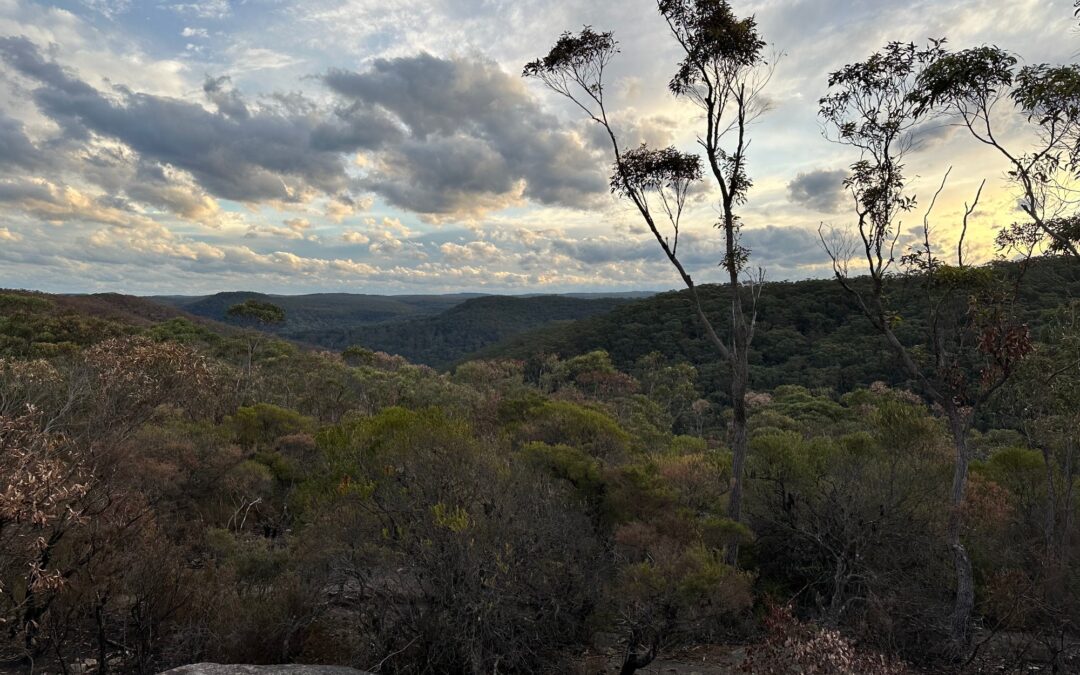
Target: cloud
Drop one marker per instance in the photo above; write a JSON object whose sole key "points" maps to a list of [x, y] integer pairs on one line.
{"points": [[472, 138], [354, 237], [294, 228], [57, 204], [470, 252], [343, 206], [784, 249], [389, 225], [109, 8], [603, 249], [821, 189], [16, 149], [160, 187], [119, 162], [235, 153], [207, 9], [228, 101]]}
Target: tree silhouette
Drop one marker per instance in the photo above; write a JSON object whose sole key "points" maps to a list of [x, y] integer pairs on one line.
{"points": [[723, 72]]}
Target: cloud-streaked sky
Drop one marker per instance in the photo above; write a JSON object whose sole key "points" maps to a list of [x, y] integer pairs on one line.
{"points": [[391, 146]]}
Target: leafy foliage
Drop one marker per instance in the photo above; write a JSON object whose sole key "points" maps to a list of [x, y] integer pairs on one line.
{"points": [[364, 510]]}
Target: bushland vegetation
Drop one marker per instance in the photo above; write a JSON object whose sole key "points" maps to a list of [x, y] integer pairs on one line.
{"points": [[165, 501]]}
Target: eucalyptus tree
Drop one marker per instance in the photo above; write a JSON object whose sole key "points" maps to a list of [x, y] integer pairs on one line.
{"points": [[983, 88], [723, 72], [257, 316], [970, 343]]}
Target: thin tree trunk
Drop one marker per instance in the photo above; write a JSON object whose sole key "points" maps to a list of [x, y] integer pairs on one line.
{"points": [[965, 585], [102, 639], [1068, 480], [1050, 516], [739, 449]]}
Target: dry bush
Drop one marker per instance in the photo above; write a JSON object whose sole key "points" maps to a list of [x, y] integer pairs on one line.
{"points": [[792, 647]]}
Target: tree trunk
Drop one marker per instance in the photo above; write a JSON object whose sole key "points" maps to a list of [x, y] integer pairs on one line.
{"points": [[965, 585], [1050, 518], [634, 660], [1068, 481], [739, 448], [102, 639]]}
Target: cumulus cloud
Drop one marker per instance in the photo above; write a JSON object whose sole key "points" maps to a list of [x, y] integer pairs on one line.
{"points": [[344, 206], [16, 148], [57, 204], [470, 252], [118, 165], [247, 156], [389, 225], [784, 248], [472, 138], [354, 237], [293, 228], [159, 186], [821, 189], [603, 249]]}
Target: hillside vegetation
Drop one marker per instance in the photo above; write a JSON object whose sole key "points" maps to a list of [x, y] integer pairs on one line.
{"points": [[320, 311], [808, 333], [436, 330], [444, 339], [164, 500]]}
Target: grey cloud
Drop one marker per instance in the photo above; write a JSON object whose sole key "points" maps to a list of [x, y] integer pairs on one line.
{"points": [[598, 250], [151, 185], [219, 91], [772, 247], [472, 129], [930, 134], [354, 128], [786, 248], [17, 191], [442, 175], [450, 136], [244, 157], [821, 189], [16, 149], [126, 179]]}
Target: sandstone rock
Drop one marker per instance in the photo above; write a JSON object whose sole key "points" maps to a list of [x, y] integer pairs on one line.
{"points": [[296, 669]]}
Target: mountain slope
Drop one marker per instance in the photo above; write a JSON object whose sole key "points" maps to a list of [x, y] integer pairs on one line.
{"points": [[315, 312], [443, 339], [42, 324], [809, 332]]}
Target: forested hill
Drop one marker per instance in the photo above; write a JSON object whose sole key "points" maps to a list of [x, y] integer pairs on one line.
{"points": [[320, 311], [436, 330], [809, 332], [441, 340], [236, 493], [41, 324]]}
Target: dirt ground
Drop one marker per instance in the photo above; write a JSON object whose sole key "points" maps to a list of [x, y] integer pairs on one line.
{"points": [[699, 660]]}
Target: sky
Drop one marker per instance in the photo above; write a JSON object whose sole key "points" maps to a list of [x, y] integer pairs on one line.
{"points": [[391, 146]]}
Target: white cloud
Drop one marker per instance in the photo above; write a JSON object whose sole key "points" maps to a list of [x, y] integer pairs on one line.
{"points": [[206, 9], [354, 237]]}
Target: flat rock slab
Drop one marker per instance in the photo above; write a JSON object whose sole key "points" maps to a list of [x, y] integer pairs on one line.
{"points": [[221, 669]]}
